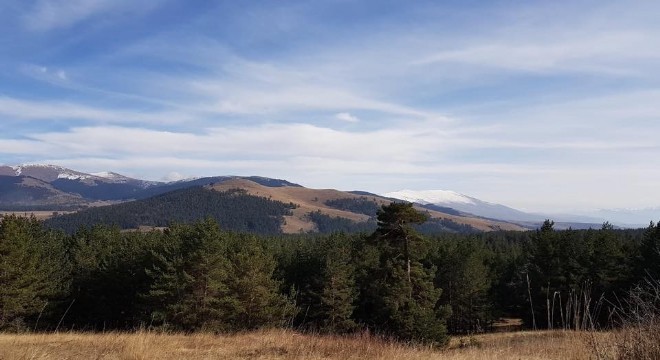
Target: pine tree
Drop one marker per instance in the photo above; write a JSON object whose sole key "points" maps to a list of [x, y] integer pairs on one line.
{"points": [[339, 290], [649, 264], [108, 277], [34, 272], [253, 296], [466, 281], [397, 292], [190, 273]]}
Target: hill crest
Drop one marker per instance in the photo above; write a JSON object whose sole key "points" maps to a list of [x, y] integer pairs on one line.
{"points": [[312, 200]]}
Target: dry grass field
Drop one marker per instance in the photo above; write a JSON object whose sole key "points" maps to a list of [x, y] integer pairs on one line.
{"points": [[283, 344], [40, 215]]}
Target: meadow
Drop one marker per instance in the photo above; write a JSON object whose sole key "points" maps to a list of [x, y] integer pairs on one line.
{"points": [[288, 344]]}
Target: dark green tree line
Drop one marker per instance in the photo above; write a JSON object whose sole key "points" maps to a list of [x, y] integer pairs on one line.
{"points": [[393, 280]]}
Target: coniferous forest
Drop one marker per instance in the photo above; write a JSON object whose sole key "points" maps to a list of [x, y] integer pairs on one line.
{"points": [[392, 281]]}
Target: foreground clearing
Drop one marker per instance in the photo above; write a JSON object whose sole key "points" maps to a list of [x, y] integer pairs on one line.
{"points": [[283, 344]]}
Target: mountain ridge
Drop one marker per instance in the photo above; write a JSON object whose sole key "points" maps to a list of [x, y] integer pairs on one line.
{"points": [[310, 210], [53, 187]]}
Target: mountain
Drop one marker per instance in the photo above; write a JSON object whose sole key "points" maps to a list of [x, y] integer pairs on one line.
{"points": [[161, 188], [463, 204], [446, 201], [46, 173], [54, 187], [24, 192], [234, 210], [86, 188], [243, 204], [348, 205]]}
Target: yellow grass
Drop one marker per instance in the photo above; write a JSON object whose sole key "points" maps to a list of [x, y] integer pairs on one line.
{"points": [[283, 344], [40, 215]]}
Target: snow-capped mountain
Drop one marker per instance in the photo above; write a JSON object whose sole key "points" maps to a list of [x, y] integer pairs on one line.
{"points": [[39, 184], [43, 172], [470, 205], [463, 203], [432, 197], [50, 173], [42, 185], [22, 186]]}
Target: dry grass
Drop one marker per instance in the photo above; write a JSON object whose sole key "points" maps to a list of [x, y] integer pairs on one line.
{"points": [[40, 215], [283, 344]]}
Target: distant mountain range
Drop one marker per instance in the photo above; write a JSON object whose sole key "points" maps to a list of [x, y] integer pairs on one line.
{"points": [[55, 188], [115, 199], [463, 203], [467, 204]]}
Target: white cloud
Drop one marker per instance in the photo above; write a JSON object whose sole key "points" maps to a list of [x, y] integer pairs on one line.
{"points": [[344, 116], [599, 52], [261, 141], [249, 96], [50, 110]]}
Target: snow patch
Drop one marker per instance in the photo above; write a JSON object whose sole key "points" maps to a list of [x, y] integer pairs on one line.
{"points": [[431, 197], [109, 175], [72, 176]]}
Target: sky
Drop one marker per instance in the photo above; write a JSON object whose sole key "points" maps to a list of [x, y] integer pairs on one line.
{"points": [[539, 105]]}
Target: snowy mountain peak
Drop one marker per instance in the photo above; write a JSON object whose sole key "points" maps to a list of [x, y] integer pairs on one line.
{"points": [[72, 176], [463, 203], [431, 196], [19, 169]]}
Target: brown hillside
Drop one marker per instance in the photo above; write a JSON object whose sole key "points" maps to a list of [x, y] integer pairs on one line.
{"points": [[309, 200]]}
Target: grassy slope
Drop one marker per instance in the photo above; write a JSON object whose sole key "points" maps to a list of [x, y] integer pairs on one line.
{"points": [[283, 344], [314, 199]]}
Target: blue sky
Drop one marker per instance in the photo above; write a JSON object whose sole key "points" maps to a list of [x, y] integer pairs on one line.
{"points": [[539, 105]]}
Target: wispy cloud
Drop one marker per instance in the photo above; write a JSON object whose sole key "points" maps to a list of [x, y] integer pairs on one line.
{"points": [[601, 52], [53, 14], [13, 108]]}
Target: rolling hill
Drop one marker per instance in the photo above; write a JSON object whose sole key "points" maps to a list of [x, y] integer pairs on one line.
{"points": [[324, 201], [267, 206], [234, 210], [112, 198]]}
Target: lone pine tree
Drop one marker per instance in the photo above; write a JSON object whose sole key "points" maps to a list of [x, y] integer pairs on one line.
{"points": [[397, 291]]}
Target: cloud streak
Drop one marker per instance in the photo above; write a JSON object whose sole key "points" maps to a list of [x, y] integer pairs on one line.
{"points": [[55, 14], [607, 52], [13, 108]]}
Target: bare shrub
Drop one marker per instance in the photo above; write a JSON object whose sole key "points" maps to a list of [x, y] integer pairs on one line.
{"points": [[639, 337]]}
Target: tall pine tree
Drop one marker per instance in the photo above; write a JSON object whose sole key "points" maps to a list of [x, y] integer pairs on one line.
{"points": [[397, 291]]}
